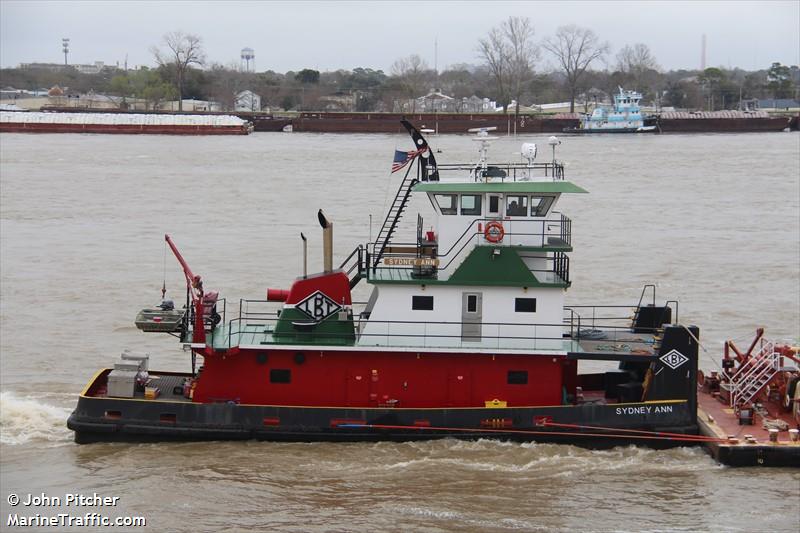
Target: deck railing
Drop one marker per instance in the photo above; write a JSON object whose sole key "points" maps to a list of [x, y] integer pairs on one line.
{"points": [[607, 326], [506, 171], [551, 232]]}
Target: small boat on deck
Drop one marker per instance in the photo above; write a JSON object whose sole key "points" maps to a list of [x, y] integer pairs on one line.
{"points": [[466, 333]]}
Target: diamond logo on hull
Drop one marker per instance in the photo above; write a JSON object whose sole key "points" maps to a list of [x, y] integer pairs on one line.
{"points": [[673, 359], [318, 306]]}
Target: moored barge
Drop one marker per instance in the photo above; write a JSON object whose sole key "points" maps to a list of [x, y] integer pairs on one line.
{"points": [[466, 333], [130, 123]]}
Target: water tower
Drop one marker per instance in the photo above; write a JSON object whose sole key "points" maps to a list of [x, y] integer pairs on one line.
{"points": [[248, 54]]}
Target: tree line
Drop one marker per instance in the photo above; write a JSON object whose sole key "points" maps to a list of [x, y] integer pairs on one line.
{"points": [[509, 71]]}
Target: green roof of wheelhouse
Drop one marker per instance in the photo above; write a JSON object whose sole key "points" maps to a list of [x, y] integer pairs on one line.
{"points": [[506, 186]]}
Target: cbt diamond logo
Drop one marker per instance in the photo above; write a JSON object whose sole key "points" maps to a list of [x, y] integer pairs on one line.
{"points": [[318, 306], [673, 359]]}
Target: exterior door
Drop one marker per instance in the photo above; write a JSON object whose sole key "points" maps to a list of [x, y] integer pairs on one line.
{"points": [[459, 393], [471, 316], [495, 206], [358, 387]]}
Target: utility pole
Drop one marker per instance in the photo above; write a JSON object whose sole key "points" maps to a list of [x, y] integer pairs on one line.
{"points": [[65, 48]]}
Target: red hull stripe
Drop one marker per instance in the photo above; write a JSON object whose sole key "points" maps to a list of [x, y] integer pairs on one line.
{"points": [[345, 422]]}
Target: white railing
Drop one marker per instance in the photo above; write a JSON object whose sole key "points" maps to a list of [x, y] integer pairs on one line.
{"points": [[750, 378]]}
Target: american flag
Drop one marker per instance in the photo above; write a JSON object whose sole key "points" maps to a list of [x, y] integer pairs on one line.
{"points": [[401, 158]]}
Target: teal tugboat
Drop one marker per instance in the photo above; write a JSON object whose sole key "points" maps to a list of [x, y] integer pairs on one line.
{"points": [[624, 117]]}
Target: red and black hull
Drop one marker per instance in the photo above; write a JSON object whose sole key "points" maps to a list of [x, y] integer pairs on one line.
{"points": [[144, 420]]}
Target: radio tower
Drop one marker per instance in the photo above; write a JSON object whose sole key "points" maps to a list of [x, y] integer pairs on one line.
{"points": [[65, 48], [703, 53]]}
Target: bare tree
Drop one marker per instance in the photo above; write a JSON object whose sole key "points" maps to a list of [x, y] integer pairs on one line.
{"points": [[412, 72], [636, 58], [510, 55], [494, 50], [639, 67], [182, 51], [575, 48]]}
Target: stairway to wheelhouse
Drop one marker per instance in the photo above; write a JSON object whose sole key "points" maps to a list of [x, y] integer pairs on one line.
{"points": [[394, 215]]}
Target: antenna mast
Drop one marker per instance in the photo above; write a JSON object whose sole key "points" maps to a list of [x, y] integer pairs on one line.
{"points": [[65, 48]]}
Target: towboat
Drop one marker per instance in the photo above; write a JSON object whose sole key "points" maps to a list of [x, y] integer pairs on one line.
{"points": [[465, 333], [624, 116]]}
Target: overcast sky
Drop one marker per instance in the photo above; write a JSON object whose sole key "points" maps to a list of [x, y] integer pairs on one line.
{"points": [[333, 35]]}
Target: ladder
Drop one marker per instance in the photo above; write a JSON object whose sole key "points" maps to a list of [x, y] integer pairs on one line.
{"points": [[750, 379], [635, 317], [394, 215]]}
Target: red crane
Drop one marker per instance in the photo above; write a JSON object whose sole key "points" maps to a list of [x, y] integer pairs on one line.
{"points": [[194, 285]]}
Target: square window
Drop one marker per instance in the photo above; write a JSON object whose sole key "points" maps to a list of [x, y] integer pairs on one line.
{"points": [[422, 303], [280, 375], [471, 204], [540, 205], [516, 206], [525, 305], [517, 377], [447, 203]]}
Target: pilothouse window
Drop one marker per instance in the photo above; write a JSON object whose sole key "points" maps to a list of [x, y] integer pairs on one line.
{"points": [[516, 206], [471, 204], [540, 205], [446, 203]]}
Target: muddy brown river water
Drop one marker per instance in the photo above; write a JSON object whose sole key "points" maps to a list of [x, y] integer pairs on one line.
{"points": [[713, 220]]}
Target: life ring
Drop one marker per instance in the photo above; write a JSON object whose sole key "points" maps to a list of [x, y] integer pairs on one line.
{"points": [[494, 232]]}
